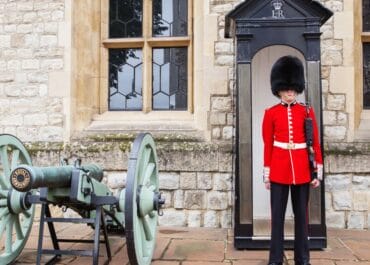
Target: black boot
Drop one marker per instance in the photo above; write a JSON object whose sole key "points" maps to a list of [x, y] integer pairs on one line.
{"points": [[275, 263]]}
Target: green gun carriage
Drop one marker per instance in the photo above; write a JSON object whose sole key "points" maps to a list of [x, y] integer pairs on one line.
{"points": [[132, 212]]}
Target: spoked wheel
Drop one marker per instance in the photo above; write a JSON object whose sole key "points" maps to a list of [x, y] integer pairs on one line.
{"points": [[142, 201], [16, 216]]}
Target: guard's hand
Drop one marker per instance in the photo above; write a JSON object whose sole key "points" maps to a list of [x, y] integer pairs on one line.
{"points": [[267, 185], [315, 183]]}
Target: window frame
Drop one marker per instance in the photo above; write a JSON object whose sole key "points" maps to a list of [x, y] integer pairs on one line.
{"points": [[147, 43], [365, 38]]}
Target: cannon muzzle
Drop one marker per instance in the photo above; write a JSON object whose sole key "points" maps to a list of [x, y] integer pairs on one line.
{"points": [[24, 177]]}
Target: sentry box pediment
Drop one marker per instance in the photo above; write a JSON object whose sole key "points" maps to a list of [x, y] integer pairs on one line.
{"points": [[277, 22]]}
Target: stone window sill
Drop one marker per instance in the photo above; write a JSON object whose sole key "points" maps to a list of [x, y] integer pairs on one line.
{"points": [[155, 122]]}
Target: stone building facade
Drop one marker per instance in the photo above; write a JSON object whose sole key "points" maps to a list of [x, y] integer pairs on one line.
{"points": [[52, 74]]}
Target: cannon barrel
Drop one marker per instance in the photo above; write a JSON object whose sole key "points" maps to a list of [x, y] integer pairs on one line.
{"points": [[24, 177]]}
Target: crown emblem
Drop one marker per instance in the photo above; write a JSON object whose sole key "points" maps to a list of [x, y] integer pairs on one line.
{"points": [[277, 11]]}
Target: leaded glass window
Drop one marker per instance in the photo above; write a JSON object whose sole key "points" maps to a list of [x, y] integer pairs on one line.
{"points": [[366, 63], [125, 76], [149, 48], [170, 18], [125, 18], [366, 15], [170, 79]]}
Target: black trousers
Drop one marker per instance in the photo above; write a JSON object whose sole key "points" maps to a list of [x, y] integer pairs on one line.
{"points": [[278, 200]]}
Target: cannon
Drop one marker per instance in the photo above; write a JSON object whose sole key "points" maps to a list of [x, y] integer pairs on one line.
{"points": [[131, 212]]}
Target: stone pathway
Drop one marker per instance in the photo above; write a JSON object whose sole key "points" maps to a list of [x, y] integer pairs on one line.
{"points": [[203, 246]]}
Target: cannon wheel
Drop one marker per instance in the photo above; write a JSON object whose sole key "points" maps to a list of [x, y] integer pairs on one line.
{"points": [[15, 223], [142, 179]]}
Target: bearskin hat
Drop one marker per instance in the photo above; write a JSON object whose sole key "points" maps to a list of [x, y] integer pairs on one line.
{"points": [[287, 73]]}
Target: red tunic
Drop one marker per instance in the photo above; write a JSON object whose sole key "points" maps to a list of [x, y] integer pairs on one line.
{"points": [[285, 123]]}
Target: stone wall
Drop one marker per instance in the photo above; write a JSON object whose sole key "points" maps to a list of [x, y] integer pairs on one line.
{"points": [[31, 34]]}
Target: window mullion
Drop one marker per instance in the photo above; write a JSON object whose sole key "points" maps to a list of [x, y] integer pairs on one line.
{"points": [[190, 59], [147, 57]]}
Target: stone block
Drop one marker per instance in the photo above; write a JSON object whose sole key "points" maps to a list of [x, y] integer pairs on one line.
{"points": [[194, 218], [169, 181], [188, 180], [204, 181], [360, 200], [55, 119], [17, 40], [361, 182], [217, 200], [226, 219], [225, 60], [341, 78], [29, 134], [52, 64], [330, 117], [36, 119], [51, 133], [4, 41], [172, 217], [342, 200], [331, 57], [31, 40], [325, 86], [30, 64], [224, 47], [11, 120], [221, 104], [227, 132], [195, 200], [217, 118], [349, 163], [57, 15], [335, 219], [25, 53], [48, 41], [6, 77], [37, 77], [178, 199], [116, 180], [169, 203], [14, 65], [328, 201], [211, 219], [356, 220], [336, 102], [29, 17], [51, 28], [342, 118], [335, 132], [337, 182], [25, 6], [222, 8], [343, 25], [216, 133], [222, 181]]}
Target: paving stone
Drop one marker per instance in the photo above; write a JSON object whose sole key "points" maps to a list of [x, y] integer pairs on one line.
{"points": [[160, 247], [197, 250], [360, 248], [193, 233], [234, 254]]}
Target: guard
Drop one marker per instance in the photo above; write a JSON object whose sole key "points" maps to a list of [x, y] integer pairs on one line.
{"points": [[286, 158]]}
